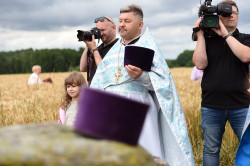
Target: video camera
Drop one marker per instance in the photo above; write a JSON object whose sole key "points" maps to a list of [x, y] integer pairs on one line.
{"points": [[210, 18], [87, 35]]}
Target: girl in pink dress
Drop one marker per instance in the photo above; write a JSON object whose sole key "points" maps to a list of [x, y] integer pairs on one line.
{"points": [[72, 85]]}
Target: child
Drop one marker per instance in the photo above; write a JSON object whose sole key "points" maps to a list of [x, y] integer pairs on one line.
{"points": [[34, 77], [72, 86]]}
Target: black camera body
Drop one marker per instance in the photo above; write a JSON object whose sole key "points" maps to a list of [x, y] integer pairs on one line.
{"points": [[87, 35], [210, 17]]}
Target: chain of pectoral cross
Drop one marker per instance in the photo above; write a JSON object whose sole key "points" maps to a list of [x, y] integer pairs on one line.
{"points": [[118, 74]]}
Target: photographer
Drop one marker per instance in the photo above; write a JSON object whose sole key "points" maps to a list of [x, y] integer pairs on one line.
{"points": [[224, 59], [108, 36]]}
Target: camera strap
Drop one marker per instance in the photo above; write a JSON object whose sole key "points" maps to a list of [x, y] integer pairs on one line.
{"points": [[89, 54], [196, 29]]}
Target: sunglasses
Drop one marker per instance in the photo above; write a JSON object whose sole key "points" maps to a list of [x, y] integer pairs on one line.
{"points": [[102, 19]]}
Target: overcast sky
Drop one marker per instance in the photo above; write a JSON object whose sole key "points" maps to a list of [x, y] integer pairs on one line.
{"points": [[42, 24]]}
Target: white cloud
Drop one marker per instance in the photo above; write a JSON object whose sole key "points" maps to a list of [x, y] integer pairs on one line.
{"points": [[17, 39], [53, 23], [173, 40]]}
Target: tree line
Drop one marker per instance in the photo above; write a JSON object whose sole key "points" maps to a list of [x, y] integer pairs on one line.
{"points": [[61, 60], [51, 60], [183, 60]]}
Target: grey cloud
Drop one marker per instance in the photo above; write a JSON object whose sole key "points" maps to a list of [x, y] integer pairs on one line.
{"points": [[51, 14], [170, 21], [35, 15]]}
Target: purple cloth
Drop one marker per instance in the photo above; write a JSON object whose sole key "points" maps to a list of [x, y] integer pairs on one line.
{"points": [[109, 116], [139, 56]]}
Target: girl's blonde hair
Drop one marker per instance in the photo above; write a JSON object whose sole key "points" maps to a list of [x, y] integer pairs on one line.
{"points": [[75, 78]]}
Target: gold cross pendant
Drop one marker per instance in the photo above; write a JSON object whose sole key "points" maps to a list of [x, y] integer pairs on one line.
{"points": [[118, 75]]}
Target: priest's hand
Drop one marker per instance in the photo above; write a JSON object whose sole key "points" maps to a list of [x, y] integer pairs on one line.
{"points": [[133, 71]]}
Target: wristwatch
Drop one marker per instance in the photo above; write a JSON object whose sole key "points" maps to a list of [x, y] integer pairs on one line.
{"points": [[196, 29], [92, 51], [229, 34]]}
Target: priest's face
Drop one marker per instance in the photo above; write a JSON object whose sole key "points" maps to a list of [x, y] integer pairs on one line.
{"points": [[129, 26]]}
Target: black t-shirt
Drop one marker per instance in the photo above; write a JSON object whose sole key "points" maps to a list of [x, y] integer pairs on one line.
{"points": [[102, 51], [225, 80]]}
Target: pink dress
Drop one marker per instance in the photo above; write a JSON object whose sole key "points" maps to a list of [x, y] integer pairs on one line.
{"points": [[196, 74], [61, 118]]}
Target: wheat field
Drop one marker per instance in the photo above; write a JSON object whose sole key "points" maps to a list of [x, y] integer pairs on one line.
{"points": [[23, 104]]}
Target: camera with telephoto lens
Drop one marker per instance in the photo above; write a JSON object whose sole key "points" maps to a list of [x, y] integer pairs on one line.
{"points": [[87, 35], [210, 18]]}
